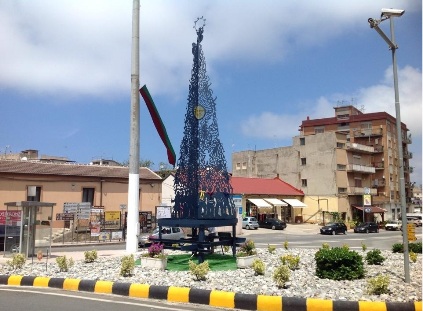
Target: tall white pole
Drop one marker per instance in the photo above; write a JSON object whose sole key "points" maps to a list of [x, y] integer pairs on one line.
{"points": [[134, 149]]}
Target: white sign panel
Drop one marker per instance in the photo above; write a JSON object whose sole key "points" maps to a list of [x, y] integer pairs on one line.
{"points": [[163, 212]]}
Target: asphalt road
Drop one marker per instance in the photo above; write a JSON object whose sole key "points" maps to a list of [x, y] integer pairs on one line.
{"points": [[382, 240], [48, 299], [262, 237]]}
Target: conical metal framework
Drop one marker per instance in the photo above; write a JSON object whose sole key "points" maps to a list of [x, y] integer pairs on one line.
{"points": [[202, 187]]}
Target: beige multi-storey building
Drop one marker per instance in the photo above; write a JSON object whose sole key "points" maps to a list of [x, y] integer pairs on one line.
{"points": [[338, 162]]}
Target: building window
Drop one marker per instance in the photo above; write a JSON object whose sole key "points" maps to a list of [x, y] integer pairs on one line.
{"points": [[304, 182], [341, 167], [88, 195], [340, 145], [302, 141], [33, 194], [303, 161], [366, 125], [320, 129], [342, 190], [238, 166], [244, 165]]}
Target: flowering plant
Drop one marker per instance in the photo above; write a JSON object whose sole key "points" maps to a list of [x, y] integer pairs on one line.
{"points": [[155, 250], [247, 249]]}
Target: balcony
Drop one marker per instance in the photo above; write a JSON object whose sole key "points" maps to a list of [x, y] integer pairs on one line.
{"points": [[359, 191], [367, 133], [378, 183], [358, 147], [408, 169], [407, 140], [378, 148], [408, 155], [379, 165], [360, 168]]}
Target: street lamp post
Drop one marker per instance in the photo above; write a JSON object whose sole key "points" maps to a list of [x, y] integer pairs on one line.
{"points": [[389, 14]]}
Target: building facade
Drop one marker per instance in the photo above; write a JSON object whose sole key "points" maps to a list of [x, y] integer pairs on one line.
{"points": [[103, 186], [337, 162]]}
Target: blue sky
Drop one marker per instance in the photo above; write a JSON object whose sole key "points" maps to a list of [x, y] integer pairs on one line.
{"points": [[65, 71]]}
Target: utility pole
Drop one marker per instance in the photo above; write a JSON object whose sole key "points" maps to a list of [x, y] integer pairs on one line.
{"points": [[134, 149]]}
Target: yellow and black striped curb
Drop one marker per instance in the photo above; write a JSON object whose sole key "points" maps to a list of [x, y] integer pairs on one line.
{"points": [[207, 297]]}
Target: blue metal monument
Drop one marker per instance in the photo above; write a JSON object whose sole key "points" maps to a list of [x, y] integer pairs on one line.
{"points": [[203, 194]]}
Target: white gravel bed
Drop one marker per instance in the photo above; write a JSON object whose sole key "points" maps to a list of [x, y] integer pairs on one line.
{"points": [[303, 282]]}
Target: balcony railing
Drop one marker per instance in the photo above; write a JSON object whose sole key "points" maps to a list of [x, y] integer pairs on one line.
{"points": [[378, 165], [360, 168], [378, 148], [408, 155], [360, 191], [367, 132], [360, 147], [379, 183]]}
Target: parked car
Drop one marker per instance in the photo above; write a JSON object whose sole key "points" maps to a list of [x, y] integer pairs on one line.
{"points": [[367, 227], [272, 223], [249, 223], [334, 228], [414, 220], [170, 233], [393, 225]]}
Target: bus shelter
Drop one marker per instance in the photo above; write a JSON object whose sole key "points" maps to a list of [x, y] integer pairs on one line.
{"points": [[28, 228]]}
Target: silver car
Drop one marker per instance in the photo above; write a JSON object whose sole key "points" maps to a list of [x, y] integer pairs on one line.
{"points": [[170, 233], [250, 223]]}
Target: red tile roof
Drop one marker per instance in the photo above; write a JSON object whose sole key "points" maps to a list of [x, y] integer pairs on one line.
{"points": [[275, 186]]}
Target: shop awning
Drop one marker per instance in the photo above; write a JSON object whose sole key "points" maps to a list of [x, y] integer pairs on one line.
{"points": [[276, 202], [259, 202], [373, 209], [295, 203]]}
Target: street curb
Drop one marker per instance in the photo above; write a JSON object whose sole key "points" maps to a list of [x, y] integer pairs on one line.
{"points": [[212, 298]]}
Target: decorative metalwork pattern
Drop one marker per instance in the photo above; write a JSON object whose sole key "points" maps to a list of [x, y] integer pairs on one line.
{"points": [[202, 187]]}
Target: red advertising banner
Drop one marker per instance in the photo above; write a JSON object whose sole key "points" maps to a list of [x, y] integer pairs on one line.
{"points": [[13, 216]]}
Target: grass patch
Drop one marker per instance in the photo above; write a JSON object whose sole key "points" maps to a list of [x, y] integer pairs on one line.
{"points": [[216, 262]]}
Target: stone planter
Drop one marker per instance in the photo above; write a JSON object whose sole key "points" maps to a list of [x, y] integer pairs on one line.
{"points": [[154, 263], [245, 262]]}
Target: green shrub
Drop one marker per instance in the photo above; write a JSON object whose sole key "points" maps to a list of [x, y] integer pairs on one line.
{"points": [[281, 275], [17, 262], [414, 247], [291, 261], [413, 256], [90, 256], [363, 246], [285, 244], [127, 265], [378, 285], [247, 249], [259, 267], [199, 270], [64, 263], [271, 248], [397, 248], [374, 257], [339, 264], [226, 248]]}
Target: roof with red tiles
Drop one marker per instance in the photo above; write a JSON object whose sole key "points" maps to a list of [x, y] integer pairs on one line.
{"points": [[80, 170], [265, 186]]}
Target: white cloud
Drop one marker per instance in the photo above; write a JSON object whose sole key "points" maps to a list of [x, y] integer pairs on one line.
{"points": [[84, 47]]}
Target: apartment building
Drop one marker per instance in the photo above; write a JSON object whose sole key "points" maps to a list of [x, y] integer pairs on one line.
{"points": [[338, 162]]}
